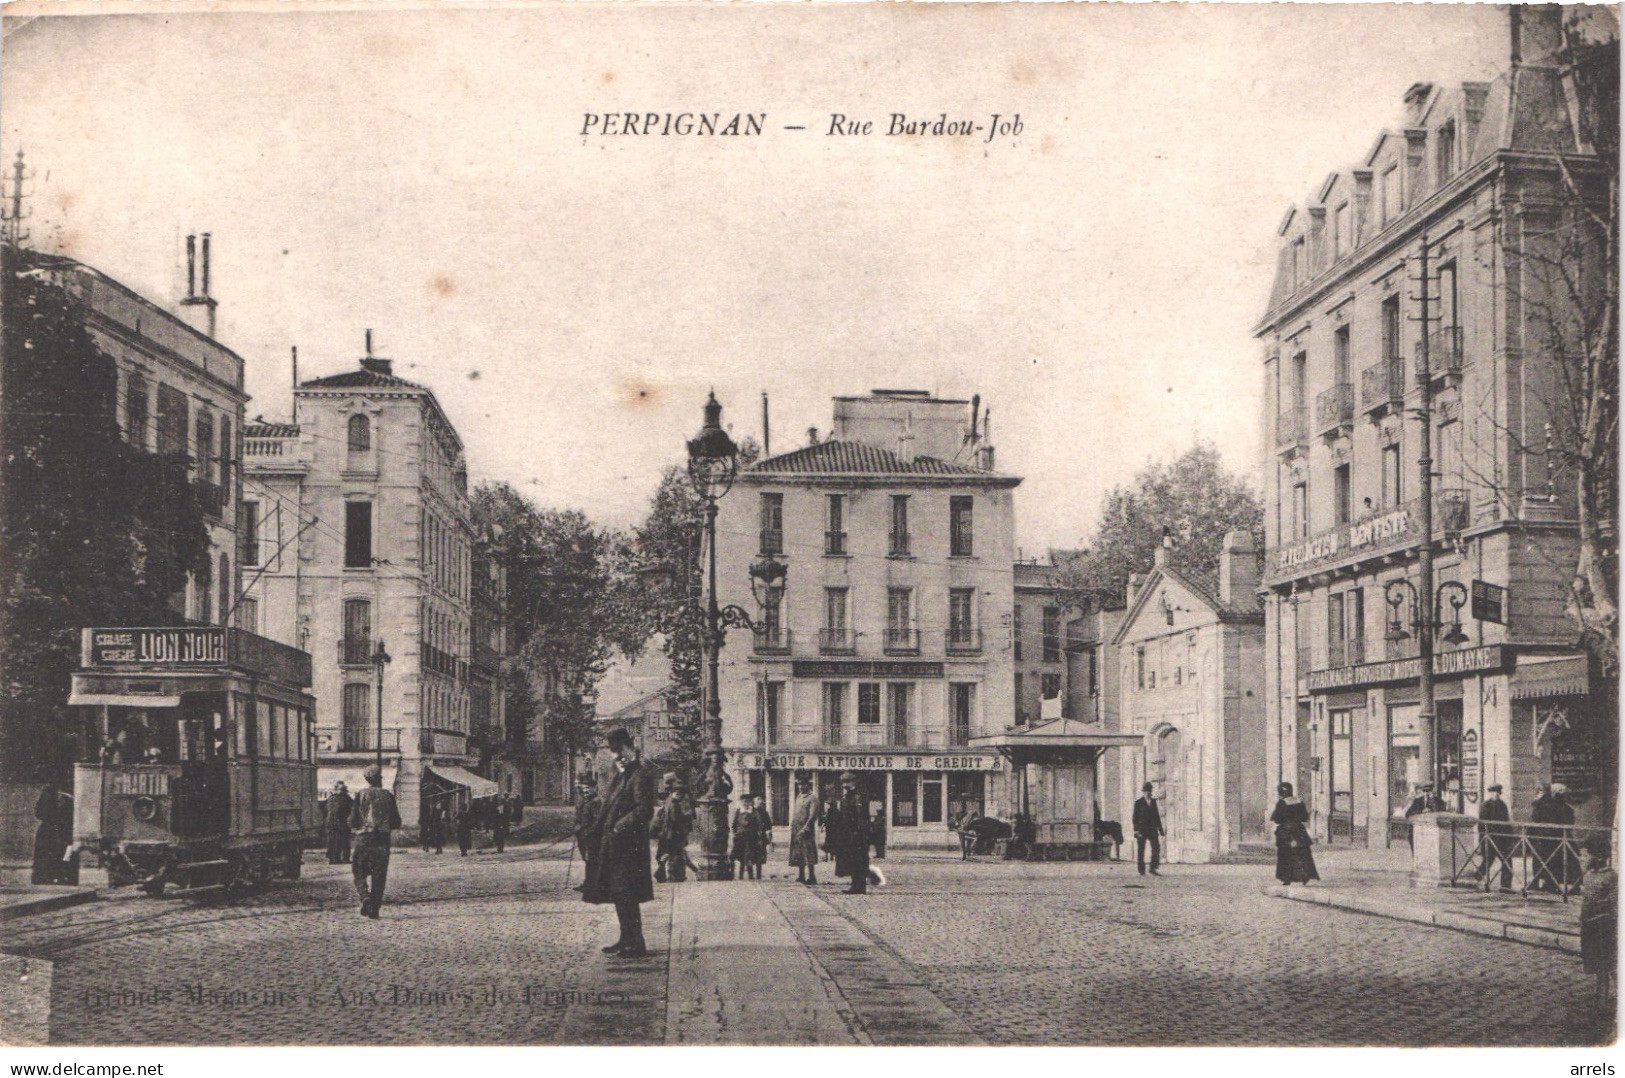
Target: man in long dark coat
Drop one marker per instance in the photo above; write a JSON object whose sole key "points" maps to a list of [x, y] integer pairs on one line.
{"points": [[54, 811], [846, 834], [339, 803], [587, 808], [620, 873], [1494, 825]]}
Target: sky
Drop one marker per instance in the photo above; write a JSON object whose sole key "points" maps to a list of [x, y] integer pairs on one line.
{"points": [[1094, 278]]}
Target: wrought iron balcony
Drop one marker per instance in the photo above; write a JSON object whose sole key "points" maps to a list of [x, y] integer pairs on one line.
{"points": [[830, 734], [1334, 408], [958, 734], [772, 541], [899, 546], [1291, 429], [363, 737], [1444, 352], [964, 640], [836, 641], [900, 641], [773, 641], [835, 544], [355, 651], [1349, 652], [1452, 510], [1382, 385], [897, 734]]}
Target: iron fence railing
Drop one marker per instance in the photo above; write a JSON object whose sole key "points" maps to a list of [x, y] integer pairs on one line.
{"points": [[1524, 857], [1334, 407]]}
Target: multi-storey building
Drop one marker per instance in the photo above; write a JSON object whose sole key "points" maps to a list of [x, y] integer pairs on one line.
{"points": [[1461, 205], [1038, 644], [1190, 648], [890, 647], [358, 534]]}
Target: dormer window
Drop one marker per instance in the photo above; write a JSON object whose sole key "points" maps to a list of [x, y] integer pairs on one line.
{"points": [[1300, 264], [1444, 156], [1342, 236], [1390, 195]]}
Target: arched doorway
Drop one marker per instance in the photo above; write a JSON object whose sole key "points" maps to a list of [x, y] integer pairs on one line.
{"points": [[1165, 770]]}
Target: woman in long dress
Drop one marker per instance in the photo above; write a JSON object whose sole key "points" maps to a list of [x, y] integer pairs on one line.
{"points": [[1294, 863], [804, 819]]}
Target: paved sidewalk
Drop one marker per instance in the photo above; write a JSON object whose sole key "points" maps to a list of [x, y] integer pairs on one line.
{"points": [[1539, 920], [21, 901]]}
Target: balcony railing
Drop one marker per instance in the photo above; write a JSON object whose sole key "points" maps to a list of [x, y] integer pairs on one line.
{"points": [[900, 641], [1381, 384], [442, 662], [1334, 408], [897, 733], [773, 641], [1291, 429], [835, 543], [1452, 510], [899, 546], [364, 738], [355, 651], [1444, 351], [270, 447], [836, 641], [1349, 652], [830, 734], [964, 640], [958, 734], [772, 541]]}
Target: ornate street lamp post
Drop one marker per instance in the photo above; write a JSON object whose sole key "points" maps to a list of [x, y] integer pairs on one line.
{"points": [[380, 659], [1398, 593], [713, 463]]}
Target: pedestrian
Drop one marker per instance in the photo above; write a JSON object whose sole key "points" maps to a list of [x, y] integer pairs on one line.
{"points": [[434, 827], [339, 803], [877, 834], [1545, 842], [1495, 833], [764, 831], [846, 834], [587, 807], [373, 816], [501, 821], [465, 829], [619, 872], [1567, 863], [747, 833], [1148, 830], [673, 821], [54, 811], [1294, 863], [1599, 917], [805, 817]]}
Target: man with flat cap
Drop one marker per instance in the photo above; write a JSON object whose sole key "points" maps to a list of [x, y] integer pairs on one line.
{"points": [[373, 816], [846, 834], [339, 804], [1493, 823], [619, 872]]}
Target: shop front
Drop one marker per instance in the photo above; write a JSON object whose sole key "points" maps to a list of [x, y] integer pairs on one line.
{"points": [[915, 794]]}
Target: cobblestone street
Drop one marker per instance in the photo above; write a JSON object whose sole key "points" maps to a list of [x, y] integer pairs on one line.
{"points": [[497, 949]]}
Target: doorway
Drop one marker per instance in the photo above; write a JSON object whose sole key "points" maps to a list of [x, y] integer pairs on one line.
{"points": [[1166, 771]]}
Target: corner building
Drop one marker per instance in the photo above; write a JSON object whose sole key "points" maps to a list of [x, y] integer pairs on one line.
{"points": [[1473, 173], [890, 648]]}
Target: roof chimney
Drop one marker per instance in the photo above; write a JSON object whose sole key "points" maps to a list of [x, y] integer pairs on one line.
{"points": [[1135, 582], [1238, 568], [1537, 33], [812, 435], [1161, 557], [198, 307], [375, 364]]}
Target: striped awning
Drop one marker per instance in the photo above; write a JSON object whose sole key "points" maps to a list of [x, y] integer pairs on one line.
{"points": [[1536, 678]]}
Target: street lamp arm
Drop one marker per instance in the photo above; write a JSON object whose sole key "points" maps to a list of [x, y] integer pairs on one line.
{"points": [[734, 617]]}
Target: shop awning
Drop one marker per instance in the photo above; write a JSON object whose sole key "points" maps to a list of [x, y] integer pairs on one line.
{"points": [[1057, 736], [459, 776], [110, 699], [1536, 677], [351, 776]]}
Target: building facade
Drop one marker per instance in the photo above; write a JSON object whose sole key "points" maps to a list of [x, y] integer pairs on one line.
{"points": [[1190, 655], [1461, 205], [358, 533], [1038, 644], [890, 647]]}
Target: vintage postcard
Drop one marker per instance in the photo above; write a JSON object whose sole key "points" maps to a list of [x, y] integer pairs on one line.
{"points": [[998, 525]]}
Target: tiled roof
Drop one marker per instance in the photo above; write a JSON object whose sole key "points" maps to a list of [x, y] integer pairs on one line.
{"points": [[361, 379], [1206, 587], [270, 430], [856, 458]]}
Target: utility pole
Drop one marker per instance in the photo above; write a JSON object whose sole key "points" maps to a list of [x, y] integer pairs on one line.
{"points": [[1427, 712]]}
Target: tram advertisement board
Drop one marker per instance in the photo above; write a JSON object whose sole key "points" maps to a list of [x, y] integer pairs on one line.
{"points": [[167, 646]]}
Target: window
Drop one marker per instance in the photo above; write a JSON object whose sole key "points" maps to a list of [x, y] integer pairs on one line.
{"points": [[905, 794], [931, 797], [1444, 158], [172, 420], [1342, 237], [835, 616], [1139, 667], [962, 702], [835, 529], [357, 535], [899, 540], [1391, 485], [135, 411], [1354, 605], [769, 702], [1050, 686], [966, 789], [248, 614], [868, 703], [1390, 345], [1300, 383], [1021, 712], [1300, 264], [357, 642], [227, 592], [1015, 633], [961, 618], [1300, 511], [1340, 355], [1388, 202], [772, 524], [1052, 634], [1335, 628], [779, 797], [357, 716], [1447, 296], [900, 711], [900, 619], [205, 446], [834, 711], [249, 529], [1342, 493], [1094, 672], [959, 526], [360, 434], [200, 594]]}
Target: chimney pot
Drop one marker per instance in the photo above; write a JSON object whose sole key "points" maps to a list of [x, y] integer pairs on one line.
{"points": [[1238, 568]]}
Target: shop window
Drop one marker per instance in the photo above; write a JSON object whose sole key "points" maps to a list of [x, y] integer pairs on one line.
{"points": [[931, 797], [905, 799], [966, 790], [778, 799]]}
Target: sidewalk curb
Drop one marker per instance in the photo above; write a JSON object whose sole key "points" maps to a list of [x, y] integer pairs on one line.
{"points": [[1455, 920], [60, 899]]}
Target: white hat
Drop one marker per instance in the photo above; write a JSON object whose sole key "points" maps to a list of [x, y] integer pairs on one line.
{"points": [[1559, 788]]}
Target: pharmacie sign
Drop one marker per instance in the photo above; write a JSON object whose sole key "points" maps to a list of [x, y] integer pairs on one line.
{"points": [[1445, 664], [154, 647], [1373, 535], [868, 761]]}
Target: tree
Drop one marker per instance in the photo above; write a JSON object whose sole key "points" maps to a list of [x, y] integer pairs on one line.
{"points": [[93, 531], [1192, 496], [570, 604]]}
